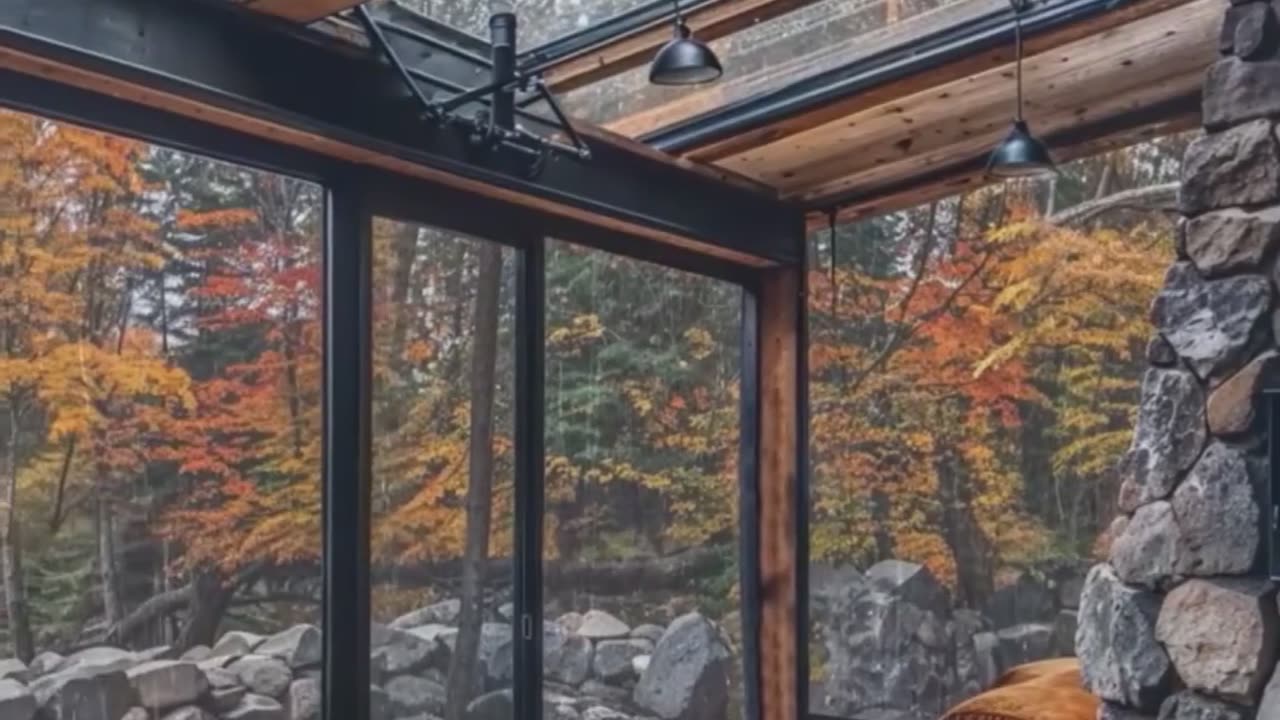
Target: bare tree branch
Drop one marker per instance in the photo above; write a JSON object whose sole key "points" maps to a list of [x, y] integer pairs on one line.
{"points": [[1156, 198]]}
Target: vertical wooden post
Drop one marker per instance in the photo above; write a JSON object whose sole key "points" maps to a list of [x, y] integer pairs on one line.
{"points": [[781, 448]]}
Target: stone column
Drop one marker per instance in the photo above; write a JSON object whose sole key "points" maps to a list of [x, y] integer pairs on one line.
{"points": [[1182, 621]]}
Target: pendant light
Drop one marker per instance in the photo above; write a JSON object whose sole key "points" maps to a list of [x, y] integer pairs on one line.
{"points": [[1020, 154], [684, 60]]}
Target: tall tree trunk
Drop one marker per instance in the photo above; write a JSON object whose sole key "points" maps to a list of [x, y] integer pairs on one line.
{"points": [[975, 571], [15, 591], [462, 667], [108, 571], [210, 597]]}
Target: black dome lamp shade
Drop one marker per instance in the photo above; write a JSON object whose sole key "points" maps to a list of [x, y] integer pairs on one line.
{"points": [[1021, 154], [684, 60]]}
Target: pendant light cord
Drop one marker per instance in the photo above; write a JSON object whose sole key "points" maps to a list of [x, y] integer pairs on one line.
{"points": [[1017, 44], [679, 16]]}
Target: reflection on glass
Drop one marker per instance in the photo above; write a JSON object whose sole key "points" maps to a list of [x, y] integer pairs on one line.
{"points": [[159, 429], [641, 568], [974, 376], [442, 477]]}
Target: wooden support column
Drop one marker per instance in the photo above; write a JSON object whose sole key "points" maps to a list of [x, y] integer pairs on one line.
{"points": [[782, 529]]}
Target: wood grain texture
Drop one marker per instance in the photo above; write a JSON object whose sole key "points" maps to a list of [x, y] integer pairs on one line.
{"points": [[1107, 75], [781, 307], [891, 92]]}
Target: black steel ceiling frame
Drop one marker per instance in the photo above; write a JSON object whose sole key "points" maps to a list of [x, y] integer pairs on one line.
{"points": [[964, 39], [220, 56]]}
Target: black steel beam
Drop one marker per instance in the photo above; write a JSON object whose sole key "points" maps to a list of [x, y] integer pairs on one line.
{"points": [[348, 372], [226, 58], [964, 39]]}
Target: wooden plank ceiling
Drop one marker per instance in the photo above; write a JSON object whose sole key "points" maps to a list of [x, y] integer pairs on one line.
{"points": [[1088, 88]]}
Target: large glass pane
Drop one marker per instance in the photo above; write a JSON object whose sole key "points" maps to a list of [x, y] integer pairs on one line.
{"points": [[443, 487], [975, 366], [159, 429], [641, 528], [540, 20]]}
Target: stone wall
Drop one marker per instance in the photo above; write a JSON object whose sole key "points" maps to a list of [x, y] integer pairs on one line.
{"points": [[1182, 621]]}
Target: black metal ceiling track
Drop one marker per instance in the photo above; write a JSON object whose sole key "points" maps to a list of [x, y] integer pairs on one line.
{"points": [[224, 57], [965, 39], [650, 14]]}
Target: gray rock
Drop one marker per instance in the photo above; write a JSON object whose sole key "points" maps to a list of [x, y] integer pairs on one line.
{"points": [[164, 684], [1069, 590], [594, 689], [911, 582], [687, 677], [1237, 91], [1028, 600], [45, 663], [159, 652], [1120, 658], [14, 669], [403, 652], [262, 675], [83, 694], [640, 663], [304, 699], [570, 621], [648, 631], [1064, 633], [220, 677], [102, 658], [495, 654], [967, 625], [1232, 240], [137, 713], [566, 657], [16, 701], [236, 643], [1187, 705], [986, 648], [1221, 635], [600, 625], [197, 653], [1233, 404], [1160, 353], [379, 703], [496, 705], [1168, 438], [225, 699], [444, 612], [1269, 707], [189, 712], [1216, 515], [507, 611], [599, 712], [1255, 31], [1112, 711], [299, 646], [432, 633], [1235, 167], [1210, 322], [257, 707], [1022, 644], [410, 694], [613, 658], [1146, 553]]}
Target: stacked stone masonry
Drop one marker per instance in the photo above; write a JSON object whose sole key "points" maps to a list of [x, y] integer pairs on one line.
{"points": [[1182, 621]]}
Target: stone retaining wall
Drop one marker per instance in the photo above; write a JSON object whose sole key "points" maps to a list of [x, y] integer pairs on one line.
{"points": [[1182, 621]]}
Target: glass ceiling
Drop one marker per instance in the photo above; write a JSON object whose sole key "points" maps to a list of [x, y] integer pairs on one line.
{"points": [[817, 37]]}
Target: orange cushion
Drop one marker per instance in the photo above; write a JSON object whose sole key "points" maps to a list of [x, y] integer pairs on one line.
{"points": [[1046, 690]]}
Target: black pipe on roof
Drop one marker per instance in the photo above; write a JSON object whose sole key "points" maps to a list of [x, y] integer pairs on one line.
{"points": [[964, 39]]}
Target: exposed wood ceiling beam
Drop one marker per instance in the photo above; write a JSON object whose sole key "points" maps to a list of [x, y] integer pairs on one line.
{"points": [[968, 174], [1100, 77], [635, 48], [301, 11]]}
